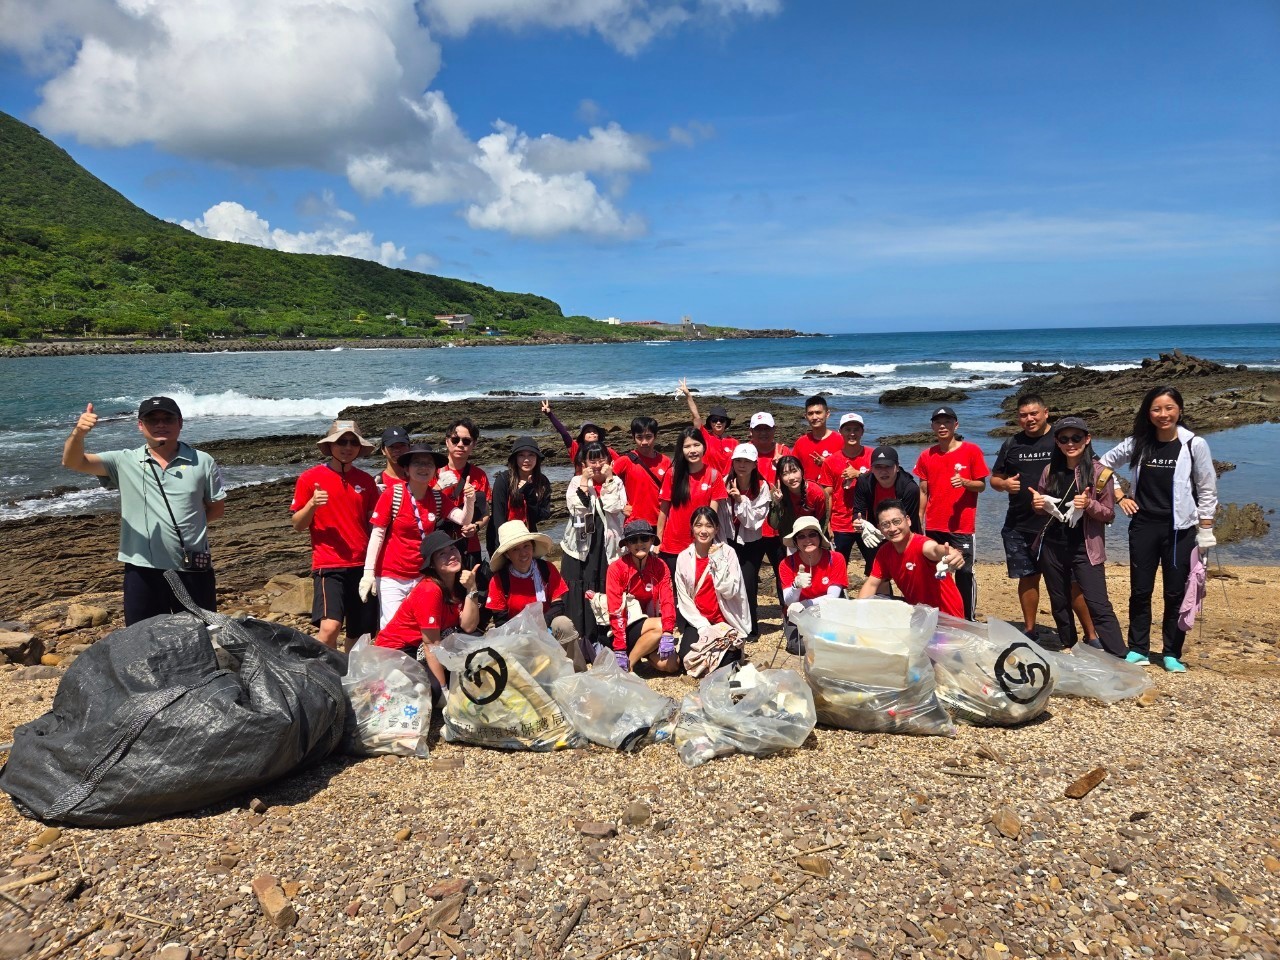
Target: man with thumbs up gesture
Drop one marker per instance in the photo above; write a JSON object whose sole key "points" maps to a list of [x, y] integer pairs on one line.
{"points": [[333, 501], [169, 494]]}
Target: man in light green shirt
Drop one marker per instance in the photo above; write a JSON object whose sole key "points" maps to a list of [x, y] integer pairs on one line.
{"points": [[169, 494]]}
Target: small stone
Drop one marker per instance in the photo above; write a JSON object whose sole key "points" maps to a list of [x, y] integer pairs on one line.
{"points": [[815, 866], [1149, 696], [1007, 821], [36, 673], [112, 950], [1081, 787], [174, 951], [1139, 815], [399, 895], [749, 881], [18, 646], [47, 836], [1271, 863], [353, 909], [636, 812], [448, 763], [50, 660], [258, 807], [403, 834], [291, 888], [81, 615], [597, 829], [445, 888], [14, 945], [275, 906]]}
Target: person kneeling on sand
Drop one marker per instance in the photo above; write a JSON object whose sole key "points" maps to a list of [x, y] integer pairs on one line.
{"points": [[445, 600], [641, 605], [522, 575], [333, 501], [712, 598], [921, 568], [810, 574]]}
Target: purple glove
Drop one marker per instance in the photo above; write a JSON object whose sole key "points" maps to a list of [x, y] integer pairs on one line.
{"points": [[666, 646], [624, 661]]}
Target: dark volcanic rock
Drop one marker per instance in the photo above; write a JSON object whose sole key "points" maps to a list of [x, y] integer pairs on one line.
{"points": [[1046, 367], [898, 439], [1215, 396], [1234, 522], [906, 395], [764, 392], [850, 374]]}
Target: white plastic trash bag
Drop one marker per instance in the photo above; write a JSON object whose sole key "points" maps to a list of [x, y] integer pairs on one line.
{"points": [[389, 694], [989, 674], [500, 686], [1095, 675], [866, 664], [611, 707], [739, 709]]}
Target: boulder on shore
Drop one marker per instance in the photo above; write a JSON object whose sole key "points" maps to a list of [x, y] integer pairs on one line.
{"points": [[907, 395]]}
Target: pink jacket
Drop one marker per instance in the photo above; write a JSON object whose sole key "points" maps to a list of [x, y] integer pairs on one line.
{"points": [[1193, 599], [1097, 513]]}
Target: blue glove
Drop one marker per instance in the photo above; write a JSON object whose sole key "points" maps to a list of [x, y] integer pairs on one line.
{"points": [[624, 661], [666, 646]]}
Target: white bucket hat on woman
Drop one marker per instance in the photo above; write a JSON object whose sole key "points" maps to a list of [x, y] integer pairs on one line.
{"points": [[512, 534], [805, 523]]}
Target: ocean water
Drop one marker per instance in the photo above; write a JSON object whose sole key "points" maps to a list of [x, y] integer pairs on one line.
{"points": [[254, 394]]}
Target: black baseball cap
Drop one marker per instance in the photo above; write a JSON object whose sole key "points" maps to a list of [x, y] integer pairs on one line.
{"points": [[393, 435], [943, 412], [884, 455], [1066, 423], [162, 404]]}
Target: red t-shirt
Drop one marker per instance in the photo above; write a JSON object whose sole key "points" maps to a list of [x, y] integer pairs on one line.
{"points": [[417, 518], [879, 493], [814, 504], [811, 453], [642, 491], [719, 450], [770, 474], [706, 599], [842, 497], [703, 488], [913, 574], [830, 571], [339, 528], [651, 586], [951, 509], [447, 480], [386, 479], [522, 593], [424, 609]]}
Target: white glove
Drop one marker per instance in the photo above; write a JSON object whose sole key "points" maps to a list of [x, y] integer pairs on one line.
{"points": [[368, 586], [871, 537], [1205, 538], [795, 609], [942, 569], [803, 579]]}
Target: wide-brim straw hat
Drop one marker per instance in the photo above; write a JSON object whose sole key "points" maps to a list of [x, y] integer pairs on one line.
{"points": [[805, 523], [512, 534], [337, 429]]}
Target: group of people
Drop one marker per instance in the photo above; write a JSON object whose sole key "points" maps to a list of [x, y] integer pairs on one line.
{"points": [[661, 556]]}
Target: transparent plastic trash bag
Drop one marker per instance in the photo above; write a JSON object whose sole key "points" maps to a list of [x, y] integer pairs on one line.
{"points": [[611, 707], [500, 686], [389, 696], [1095, 675], [866, 663], [989, 674], [739, 709]]}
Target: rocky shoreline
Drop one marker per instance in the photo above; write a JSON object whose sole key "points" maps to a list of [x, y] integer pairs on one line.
{"points": [[76, 348]]}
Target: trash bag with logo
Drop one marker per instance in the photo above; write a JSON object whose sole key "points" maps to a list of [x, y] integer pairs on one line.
{"points": [[989, 674], [611, 707], [1094, 674], [500, 686], [389, 694], [866, 664], [739, 709], [173, 713]]}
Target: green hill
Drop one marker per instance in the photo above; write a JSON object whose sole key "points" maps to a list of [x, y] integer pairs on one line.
{"points": [[80, 259]]}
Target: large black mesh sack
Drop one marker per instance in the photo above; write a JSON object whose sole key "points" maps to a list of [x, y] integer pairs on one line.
{"points": [[155, 719]]}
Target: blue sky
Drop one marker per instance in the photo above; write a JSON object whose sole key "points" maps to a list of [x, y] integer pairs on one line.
{"points": [[831, 167]]}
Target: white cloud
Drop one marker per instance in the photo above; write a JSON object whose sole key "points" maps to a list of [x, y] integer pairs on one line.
{"points": [[342, 85], [231, 221], [627, 24]]}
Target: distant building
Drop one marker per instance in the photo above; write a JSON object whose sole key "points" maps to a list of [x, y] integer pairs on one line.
{"points": [[456, 321], [612, 321]]}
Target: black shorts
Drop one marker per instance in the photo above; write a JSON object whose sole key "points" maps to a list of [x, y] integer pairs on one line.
{"points": [[633, 632], [1020, 558], [336, 596], [961, 541]]}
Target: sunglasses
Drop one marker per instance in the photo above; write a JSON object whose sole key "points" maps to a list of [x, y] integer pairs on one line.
{"points": [[462, 441], [1071, 438], [346, 442], [639, 539], [808, 535]]}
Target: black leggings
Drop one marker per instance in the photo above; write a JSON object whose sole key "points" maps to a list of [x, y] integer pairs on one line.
{"points": [[751, 559], [1062, 562], [1153, 542]]}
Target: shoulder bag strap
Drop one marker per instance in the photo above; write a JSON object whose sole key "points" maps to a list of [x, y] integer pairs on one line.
{"points": [[174, 520]]}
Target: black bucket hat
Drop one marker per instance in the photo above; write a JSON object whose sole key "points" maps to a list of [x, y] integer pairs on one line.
{"points": [[420, 448]]}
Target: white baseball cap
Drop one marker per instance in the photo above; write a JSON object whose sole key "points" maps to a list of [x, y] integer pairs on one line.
{"points": [[850, 418], [746, 451], [761, 419]]}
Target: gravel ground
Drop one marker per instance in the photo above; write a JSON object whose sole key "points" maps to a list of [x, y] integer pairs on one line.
{"points": [[964, 847]]}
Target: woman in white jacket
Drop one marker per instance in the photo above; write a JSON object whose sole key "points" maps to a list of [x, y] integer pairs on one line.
{"points": [[744, 515], [1171, 506], [597, 503], [711, 597]]}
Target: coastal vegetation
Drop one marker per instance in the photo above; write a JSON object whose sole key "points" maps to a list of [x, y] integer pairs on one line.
{"points": [[81, 261]]}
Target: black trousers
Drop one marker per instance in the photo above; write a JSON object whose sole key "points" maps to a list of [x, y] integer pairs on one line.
{"points": [[1062, 562], [751, 559], [147, 593], [966, 582], [1153, 542]]}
